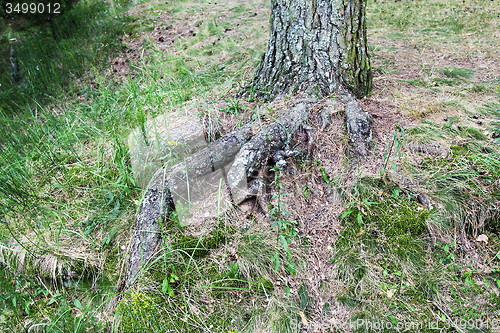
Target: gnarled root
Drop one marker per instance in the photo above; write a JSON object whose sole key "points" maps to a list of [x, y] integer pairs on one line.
{"points": [[249, 155], [256, 152], [158, 202], [359, 125]]}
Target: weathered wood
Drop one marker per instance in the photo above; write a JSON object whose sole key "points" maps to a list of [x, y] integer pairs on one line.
{"points": [[358, 123], [157, 202], [255, 153]]}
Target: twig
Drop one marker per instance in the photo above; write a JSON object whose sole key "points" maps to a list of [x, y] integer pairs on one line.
{"points": [[448, 317], [315, 216]]}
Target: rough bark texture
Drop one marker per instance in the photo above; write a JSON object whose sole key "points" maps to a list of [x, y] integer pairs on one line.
{"points": [[157, 202], [273, 137], [359, 125], [315, 46], [354, 71]]}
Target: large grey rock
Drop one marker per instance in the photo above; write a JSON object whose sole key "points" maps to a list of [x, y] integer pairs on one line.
{"points": [[164, 141]]}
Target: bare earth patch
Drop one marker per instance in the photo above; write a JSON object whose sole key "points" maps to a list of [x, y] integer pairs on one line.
{"points": [[204, 33]]}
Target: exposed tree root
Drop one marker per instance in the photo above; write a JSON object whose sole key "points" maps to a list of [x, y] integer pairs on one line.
{"points": [[247, 153], [359, 125], [272, 138], [158, 201]]}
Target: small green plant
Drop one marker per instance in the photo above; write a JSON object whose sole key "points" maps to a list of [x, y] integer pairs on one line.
{"points": [[495, 275], [170, 279], [468, 277], [121, 160], [397, 143], [447, 257], [234, 107], [305, 191], [233, 271], [324, 175], [286, 232], [457, 73], [251, 94], [358, 207]]}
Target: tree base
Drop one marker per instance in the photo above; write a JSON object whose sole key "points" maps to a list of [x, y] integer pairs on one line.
{"points": [[248, 153]]}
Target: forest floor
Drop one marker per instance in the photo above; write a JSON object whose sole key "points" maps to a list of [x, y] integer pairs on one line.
{"points": [[348, 245]]}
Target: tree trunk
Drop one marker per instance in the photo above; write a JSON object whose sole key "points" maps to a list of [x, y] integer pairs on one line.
{"points": [[315, 46]]}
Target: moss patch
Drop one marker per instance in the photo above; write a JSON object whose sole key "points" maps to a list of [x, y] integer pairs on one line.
{"points": [[394, 223], [153, 313], [198, 247]]}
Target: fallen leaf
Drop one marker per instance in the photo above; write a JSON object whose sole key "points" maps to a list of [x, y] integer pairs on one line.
{"points": [[482, 238], [303, 318]]}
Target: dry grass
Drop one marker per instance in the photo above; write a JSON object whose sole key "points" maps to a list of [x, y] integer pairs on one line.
{"points": [[51, 259]]}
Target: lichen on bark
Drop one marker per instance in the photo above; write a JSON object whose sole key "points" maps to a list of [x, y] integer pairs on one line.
{"points": [[315, 46], [355, 70]]}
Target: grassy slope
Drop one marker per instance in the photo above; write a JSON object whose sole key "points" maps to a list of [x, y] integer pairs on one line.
{"points": [[68, 197]]}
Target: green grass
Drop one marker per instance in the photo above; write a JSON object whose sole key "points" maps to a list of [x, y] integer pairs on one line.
{"points": [[391, 270], [67, 193], [170, 293], [430, 18], [66, 180], [396, 260], [52, 57], [457, 73]]}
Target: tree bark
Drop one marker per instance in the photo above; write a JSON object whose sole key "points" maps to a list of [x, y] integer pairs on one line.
{"points": [[255, 153], [315, 46]]}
